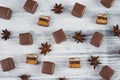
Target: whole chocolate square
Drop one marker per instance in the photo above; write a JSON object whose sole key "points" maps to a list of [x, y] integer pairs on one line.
{"points": [[107, 3], [25, 39], [7, 64], [59, 36], [30, 6], [48, 67], [78, 10], [106, 72], [5, 12], [97, 39]]}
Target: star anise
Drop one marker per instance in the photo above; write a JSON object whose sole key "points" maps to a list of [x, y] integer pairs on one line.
{"points": [[94, 61], [63, 78], [45, 48], [78, 37], [118, 51], [58, 8], [24, 77], [5, 34], [116, 30]]}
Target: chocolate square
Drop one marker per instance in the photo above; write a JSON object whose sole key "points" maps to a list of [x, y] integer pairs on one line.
{"points": [[44, 20], [106, 72], [102, 19], [59, 36], [5, 12], [78, 10], [25, 39], [107, 3], [7, 64], [32, 59], [97, 39], [30, 6], [74, 62], [48, 67]]}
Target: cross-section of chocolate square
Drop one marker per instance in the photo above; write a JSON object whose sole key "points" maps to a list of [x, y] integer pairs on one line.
{"points": [[44, 20], [78, 10], [59, 36], [32, 59], [25, 39], [102, 19], [97, 39], [30, 6], [7, 64], [74, 62], [48, 67], [106, 72]]}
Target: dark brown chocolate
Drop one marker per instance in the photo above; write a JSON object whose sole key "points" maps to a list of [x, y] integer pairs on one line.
{"points": [[25, 39], [30, 6], [48, 67], [107, 3], [97, 39], [106, 72], [7, 64], [78, 10], [59, 36], [5, 12]]}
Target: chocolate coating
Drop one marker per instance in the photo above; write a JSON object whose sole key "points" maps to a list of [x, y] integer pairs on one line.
{"points": [[25, 39], [30, 6], [5, 12], [7, 64], [78, 10], [48, 67], [106, 72], [59, 36], [97, 39]]}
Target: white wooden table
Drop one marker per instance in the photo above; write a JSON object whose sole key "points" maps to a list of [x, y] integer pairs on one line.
{"points": [[22, 21]]}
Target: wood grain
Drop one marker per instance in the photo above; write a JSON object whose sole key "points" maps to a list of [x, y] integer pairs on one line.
{"points": [[22, 21]]}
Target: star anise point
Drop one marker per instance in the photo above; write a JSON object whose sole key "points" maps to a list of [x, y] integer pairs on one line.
{"points": [[6, 34], [116, 30], [94, 61], [78, 37], [24, 77], [58, 8], [45, 48]]}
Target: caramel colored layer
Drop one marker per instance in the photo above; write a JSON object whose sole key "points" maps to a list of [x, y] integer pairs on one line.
{"points": [[32, 61], [74, 65], [43, 23], [101, 21]]}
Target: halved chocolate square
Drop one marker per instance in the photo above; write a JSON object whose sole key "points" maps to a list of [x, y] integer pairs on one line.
{"points": [[30, 6], [7, 64], [44, 20], [74, 62], [106, 72], [25, 39], [59, 36], [5, 12], [78, 10], [48, 67], [97, 39], [102, 19], [107, 3], [32, 59]]}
